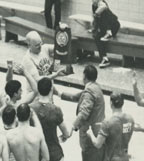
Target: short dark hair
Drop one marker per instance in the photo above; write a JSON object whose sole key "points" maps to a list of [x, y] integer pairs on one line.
{"points": [[8, 115], [23, 112], [12, 87], [117, 99], [90, 72], [44, 86]]}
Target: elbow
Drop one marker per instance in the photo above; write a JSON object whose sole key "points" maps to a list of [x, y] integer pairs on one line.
{"points": [[140, 103], [98, 146], [67, 135]]}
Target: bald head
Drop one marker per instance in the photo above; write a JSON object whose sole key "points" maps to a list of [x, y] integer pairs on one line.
{"points": [[33, 36], [34, 41]]}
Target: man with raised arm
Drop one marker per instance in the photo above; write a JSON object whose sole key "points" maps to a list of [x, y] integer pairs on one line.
{"points": [[137, 95], [115, 133], [13, 88]]}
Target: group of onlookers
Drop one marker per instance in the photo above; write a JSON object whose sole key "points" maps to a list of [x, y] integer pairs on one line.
{"points": [[30, 123]]}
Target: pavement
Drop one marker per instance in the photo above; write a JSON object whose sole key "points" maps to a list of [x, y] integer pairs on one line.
{"points": [[114, 77]]}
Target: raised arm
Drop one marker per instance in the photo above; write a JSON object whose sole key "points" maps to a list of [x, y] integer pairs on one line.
{"points": [[31, 95], [9, 74], [138, 97]]}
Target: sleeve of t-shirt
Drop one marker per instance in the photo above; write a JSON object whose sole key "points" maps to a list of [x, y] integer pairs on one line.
{"points": [[48, 48], [104, 130], [59, 113], [29, 66]]}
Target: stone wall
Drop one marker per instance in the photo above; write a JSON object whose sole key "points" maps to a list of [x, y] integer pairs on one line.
{"points": [[130, 10]]}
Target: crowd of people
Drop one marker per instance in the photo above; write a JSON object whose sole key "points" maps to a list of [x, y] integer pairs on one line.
{"points": [[30, 124]]}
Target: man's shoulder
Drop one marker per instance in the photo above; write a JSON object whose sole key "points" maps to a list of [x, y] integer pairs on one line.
{"points": [[2, 137], [26, 57], [127, 118], [47, 107], [11, 134], [119, 120], [33, 130], [93, 89]]}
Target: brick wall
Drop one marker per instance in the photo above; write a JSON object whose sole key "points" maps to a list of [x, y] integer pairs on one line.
{"points": [[130, 10]]}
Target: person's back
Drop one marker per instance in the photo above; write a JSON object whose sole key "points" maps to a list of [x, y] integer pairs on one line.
{"points": [[50, 117], [118, 129], [24, 143], [115, 132], [27, 143]]}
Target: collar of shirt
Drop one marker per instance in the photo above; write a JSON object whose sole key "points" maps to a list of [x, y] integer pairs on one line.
{"points": [[88, 84]]}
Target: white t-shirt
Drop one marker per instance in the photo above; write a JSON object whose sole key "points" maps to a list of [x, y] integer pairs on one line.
{"points": [[38, 64]]}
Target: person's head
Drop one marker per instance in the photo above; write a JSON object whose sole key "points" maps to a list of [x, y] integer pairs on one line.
{"points": [[13, 89], [116, 100], [89, 74], [44, 86], [95, 2], [23, 112], [8, 115], [34, 42]]}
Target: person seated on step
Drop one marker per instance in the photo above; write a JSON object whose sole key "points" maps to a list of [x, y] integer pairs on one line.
{"points": [[105, 25]]}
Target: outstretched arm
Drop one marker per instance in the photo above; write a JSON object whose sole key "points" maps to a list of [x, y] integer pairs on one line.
{"points": [[138, 97], [56, 74], [65, 134], [138, 128]]}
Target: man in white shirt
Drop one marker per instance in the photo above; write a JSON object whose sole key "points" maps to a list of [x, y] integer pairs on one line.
{"points": [[39, 58]]}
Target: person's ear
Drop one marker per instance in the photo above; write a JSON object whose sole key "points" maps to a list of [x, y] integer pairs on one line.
{"points": [[15, 95]]}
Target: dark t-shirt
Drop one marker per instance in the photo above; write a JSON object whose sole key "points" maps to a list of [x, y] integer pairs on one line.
{"points": [[106, 20], [50, 117], [118, 131]]}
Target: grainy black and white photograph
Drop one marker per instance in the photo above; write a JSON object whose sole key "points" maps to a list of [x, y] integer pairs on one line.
{"points": [[71, 80]]}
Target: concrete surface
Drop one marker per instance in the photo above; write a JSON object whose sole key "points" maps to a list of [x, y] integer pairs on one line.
{"points": [[112, 77]]}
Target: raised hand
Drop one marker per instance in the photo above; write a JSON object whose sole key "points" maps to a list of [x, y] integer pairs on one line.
{"points": [[134, 80], [9, 64]]}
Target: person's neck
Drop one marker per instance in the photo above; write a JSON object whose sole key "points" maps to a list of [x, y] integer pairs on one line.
{"points": [[117, 111], [23, 124], [8, 127], [13, 100], [44, 99], [88, 82], [34, 54]]}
